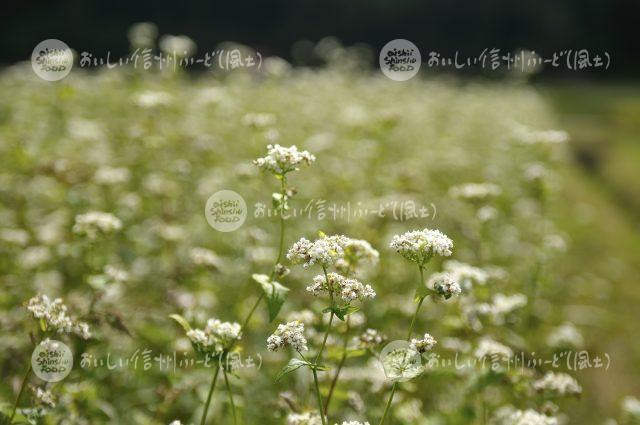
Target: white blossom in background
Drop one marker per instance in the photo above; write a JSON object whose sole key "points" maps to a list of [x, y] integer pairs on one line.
{"points": [[371, 338], [348, 289], [420, 246], [18, 237], [216, 336], [111, 175], [94, 223], [289, 334], [565, 336], [180, 45], [631, 407], [424, 344], [176, 422], [205, 258], [307, 418], [511, 416], [44, 396], [358, 254], [444, 285], [281, 160], [324, 251], [54, 314], [559, 384], [259, 120], [535, 172], [487, 213], [152, 99], [353, 423], [487, 347], [465, 274], [305, 316], [475, 191], [34, 257]]}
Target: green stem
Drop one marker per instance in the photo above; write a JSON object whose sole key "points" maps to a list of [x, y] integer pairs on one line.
{"points": [[413, 322], [315, 380], [343, 359], [326, 334], [206, 405], [230, 394], [22, 387], [386, 409]]}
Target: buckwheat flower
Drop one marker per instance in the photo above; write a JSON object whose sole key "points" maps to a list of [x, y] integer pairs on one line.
{"points": [[34, 257], [289, 334], [15, 236], [216, 337], [353, 423], [558, 384], [176, 422], [259, 120], [152, 99], [535, 172], [44, 397], [465, 274], [486, 213], [371, 338], [444, 285], [94, 223], [281, 160], [203, 257], [110, 175], [305, 316], [54, 314], [420, 246], [281, 270], [565, 336], [487, 347], [631, 407], [307, 418], [529, 417], [505, 304], [179, 45], [358, 254], [424, 344], [324, 251], [475, 191], [348, 289]]}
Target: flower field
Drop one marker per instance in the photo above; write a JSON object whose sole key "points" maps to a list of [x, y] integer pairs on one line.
{"points": [[444, 216]]}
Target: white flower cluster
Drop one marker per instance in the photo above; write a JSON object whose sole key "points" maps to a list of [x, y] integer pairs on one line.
{"points": [[631, 407], [559, 384], [176, 422], [216, 336], [203, 257], [501, 306], [289, 334], [444, 285], [96, 222], [357, 253], [324, 251], [475, 191], [371, 338], [530, 417], [354, 423], [565, 336], [44, 396], [259, 119], [420, 245], [54, 314], [110, 175], [281, 160], [307, 418], [465, 274], [349, 289], [487, 347], [424, 344]]}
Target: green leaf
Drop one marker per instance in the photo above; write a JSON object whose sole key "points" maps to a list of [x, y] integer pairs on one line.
{"points": [[181, 321], [356, 352], [341, 311], [276, 294], [293, 365]]}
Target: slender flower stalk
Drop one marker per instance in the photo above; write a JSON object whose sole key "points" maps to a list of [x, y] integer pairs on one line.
{"points": [[326, 334], [318, 394], [230, 395], [343, 360], [203, 421], [22, 387]]}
